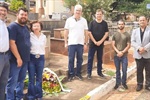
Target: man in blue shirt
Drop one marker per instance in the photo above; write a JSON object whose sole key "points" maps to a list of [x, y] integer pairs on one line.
{"points": [[20, 50]]}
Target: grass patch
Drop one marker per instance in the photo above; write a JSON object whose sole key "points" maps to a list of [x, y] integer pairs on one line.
{"points": [[110, 73]]}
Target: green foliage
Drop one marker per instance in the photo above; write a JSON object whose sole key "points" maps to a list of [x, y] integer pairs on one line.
{"points": [[137, 1], [7, 0], [69, 3], [15, 4], [90, 6], [136, 8]]}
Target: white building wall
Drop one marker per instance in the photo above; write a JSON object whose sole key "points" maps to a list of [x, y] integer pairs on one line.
{"points": [[51, 6]]}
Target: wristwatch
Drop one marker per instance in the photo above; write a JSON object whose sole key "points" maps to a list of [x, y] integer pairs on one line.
{"points": [[85, 43]]}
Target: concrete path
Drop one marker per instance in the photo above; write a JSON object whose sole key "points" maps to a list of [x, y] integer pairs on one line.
{"points": [[130, 94]]}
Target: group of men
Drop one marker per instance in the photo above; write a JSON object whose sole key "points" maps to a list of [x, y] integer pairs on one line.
{"points": [[76, 40], [16, 38]]}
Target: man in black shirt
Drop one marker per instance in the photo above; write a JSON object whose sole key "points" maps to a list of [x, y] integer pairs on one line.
{"points": [[98, 32]]}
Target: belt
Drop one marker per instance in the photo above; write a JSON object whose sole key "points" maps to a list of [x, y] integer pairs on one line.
{"points": [[4, 53], [36, 55]]}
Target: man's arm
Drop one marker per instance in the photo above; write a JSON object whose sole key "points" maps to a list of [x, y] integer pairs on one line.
{"points": [[126, 48], [86, 36], [103, 39], [114, 47], [66, 32], [119, 53], [91, 37], [134, 41], [15, 52]]}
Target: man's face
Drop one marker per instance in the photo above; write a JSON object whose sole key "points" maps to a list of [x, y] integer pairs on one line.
{"points": [[78, 12], [3, 13], [22, 17], [99, 15], [121, 25], [142, 21]]}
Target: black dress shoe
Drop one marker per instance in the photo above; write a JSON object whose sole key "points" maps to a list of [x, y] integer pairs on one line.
{"points": [[139, 88], [89, 76], [101, 75], [116, 86], [125, 86], [71, 78], [147, 88]]}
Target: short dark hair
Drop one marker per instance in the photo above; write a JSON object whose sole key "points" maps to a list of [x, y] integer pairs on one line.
{"points": [[24, 9], [35, 21], [121, 21], [4, 5], [99, 10]]}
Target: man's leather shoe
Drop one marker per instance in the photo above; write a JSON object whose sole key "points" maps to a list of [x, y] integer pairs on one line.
{"points": [[139, 88], [101, 75], [147, 88], [116, 86]]}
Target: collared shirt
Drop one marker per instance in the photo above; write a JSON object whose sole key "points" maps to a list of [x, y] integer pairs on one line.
{"points": [[37, 44], [76, 30], [4, 38], [142, 33]]}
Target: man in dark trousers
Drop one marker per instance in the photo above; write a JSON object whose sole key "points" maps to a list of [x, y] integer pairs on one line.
{"points": [[98, 32], [140, 40], [4, 48]]}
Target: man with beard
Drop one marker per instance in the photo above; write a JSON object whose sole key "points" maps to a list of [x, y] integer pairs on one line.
{"points": [[20, 50], [121, 45], [4, 48]]}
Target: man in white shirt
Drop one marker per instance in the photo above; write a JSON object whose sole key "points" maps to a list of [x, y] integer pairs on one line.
{"points": [[4, 48], [76, 41]]}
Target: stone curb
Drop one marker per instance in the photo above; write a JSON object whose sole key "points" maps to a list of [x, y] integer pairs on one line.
{"points": [[106, 87]]}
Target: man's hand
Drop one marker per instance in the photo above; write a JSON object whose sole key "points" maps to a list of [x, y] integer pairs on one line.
{"points": [[99, 43], [19, 62], [95, 42], [141, 50], [120, 54], [66, 45]]}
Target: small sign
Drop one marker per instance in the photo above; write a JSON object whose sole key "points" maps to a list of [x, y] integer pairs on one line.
{"points": [[148, 6], [56, 16], [32, 3]]}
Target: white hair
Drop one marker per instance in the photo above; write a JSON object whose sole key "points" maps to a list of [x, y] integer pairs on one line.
{"points": [[77, 7]]}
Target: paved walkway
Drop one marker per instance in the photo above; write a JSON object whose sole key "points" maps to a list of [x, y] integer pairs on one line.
{"points": [[129, 94]]}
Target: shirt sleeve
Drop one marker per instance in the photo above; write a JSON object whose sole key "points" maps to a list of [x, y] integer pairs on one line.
{"points": [[67, 24], [106, 29], [90, 26], [113, 37], [86, 25], [12, 32]]}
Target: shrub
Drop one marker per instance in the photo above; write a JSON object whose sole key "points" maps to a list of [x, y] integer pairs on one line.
{"points": [[15, 4]]}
